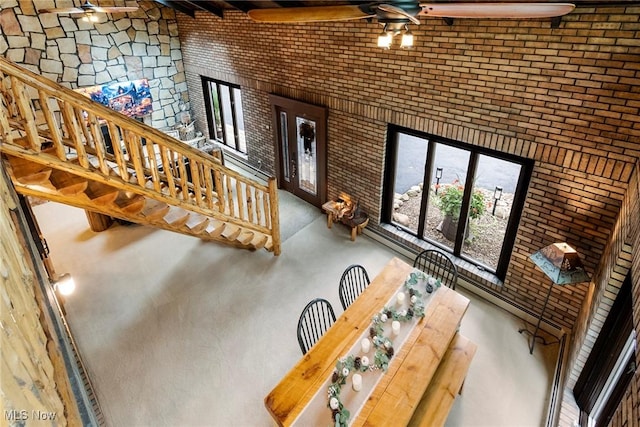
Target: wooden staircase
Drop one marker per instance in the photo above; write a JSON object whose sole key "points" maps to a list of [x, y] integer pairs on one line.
{"points": [[58, 145]]}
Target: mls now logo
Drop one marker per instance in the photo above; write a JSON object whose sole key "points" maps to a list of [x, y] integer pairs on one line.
{"points": [[15, 415], [24, 415]]}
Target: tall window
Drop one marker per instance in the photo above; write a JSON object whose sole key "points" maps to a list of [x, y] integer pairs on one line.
{"points": [[223, 102], [464, 199], [611, 364]]}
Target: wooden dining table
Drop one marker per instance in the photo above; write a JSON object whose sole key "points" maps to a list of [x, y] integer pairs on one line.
{"points": [[400, 389]]}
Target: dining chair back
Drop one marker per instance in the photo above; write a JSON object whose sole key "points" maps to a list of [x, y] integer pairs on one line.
{"points": [[316, 318], [354, 280], [439, 265]]}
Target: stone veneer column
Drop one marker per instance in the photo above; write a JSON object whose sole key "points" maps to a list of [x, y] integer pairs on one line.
{"points": [[119, 47]]}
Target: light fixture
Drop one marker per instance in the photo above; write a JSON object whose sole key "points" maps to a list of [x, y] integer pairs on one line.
{"points": [[393, 28], [497, 195], [385, 38], [438, 178], [64, 284], [407, 38], [90, 17], [562, 264]]}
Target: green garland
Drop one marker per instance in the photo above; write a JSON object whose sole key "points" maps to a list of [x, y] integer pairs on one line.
{"points": [[383, 345]]}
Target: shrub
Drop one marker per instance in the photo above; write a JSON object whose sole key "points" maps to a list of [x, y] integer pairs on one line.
{"points": [[450, 200]]}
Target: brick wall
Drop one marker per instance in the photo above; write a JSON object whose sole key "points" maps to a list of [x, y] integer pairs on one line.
{"points": [[619, 258], [629, 409], [565, 97]]}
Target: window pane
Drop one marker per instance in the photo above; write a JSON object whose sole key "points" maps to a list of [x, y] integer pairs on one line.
{"points": [[447, 188], [227, 117], [284, 138], [237, 102], [494, 186], [409, 173], [307, 178], [215, 108]]}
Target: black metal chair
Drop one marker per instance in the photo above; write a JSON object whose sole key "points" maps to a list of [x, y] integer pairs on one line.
{"points": [[354, 280], [316, 318], [438, 265]]}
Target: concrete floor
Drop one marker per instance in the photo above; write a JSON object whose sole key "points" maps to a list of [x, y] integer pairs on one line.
{"points": [[179, 332]]}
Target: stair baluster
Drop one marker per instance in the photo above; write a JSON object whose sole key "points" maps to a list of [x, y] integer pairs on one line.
{"points": [[100, 165]]}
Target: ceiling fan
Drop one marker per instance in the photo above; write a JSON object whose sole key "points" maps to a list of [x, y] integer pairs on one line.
{"points": [[88, 10], [410, 11]]}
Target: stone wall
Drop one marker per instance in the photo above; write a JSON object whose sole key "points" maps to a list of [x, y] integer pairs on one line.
{"points": [[35, 385], [566, 98], [119, 47]]}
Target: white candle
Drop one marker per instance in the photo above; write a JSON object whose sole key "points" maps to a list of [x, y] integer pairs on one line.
{"points": [[395, 326], [366, 345], [356, 381], [400, 298]]}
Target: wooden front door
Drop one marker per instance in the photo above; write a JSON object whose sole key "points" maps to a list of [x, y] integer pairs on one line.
{"points": [[301, 148]]}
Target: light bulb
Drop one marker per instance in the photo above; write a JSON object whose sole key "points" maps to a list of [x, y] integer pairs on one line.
{"points": [[66, 285], [384, 40], [407, 40]]}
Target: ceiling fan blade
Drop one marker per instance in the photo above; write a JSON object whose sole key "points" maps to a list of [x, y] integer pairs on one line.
{"points": [[114, 9], [495, 10], [310, 14], [399, 11], [62, 10]]}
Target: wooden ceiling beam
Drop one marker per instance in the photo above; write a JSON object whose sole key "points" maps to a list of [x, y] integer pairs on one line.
{"points": [[288, 3], [243, 6], [177, 6], [206, 6]]}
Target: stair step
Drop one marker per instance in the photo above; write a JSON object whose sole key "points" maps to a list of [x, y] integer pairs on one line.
{"points": [[101, 194], [67, 183], [231, 232], [176, 217], [215, 228], [269, 245], [197, 223], [29, 173], [131, 204], [259, 240], [154, 209], [246, 237]]}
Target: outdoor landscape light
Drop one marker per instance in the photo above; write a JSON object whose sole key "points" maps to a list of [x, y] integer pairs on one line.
{"points": [[438, 177], [497, 195]]}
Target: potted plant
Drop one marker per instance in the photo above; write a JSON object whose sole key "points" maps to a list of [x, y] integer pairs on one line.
{"points": [[449, 201]]}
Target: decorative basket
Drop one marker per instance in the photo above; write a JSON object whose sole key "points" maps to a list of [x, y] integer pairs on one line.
{"points": [[187, 132]]}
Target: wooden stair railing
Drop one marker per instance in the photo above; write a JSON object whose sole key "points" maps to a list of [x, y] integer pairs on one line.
{"points": [[44, 123]]}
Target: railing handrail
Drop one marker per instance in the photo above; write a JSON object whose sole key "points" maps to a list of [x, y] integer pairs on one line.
{"points": [[212, 182], [68, 95]]}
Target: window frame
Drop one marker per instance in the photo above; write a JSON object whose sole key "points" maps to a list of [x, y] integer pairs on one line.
{"points": [[520, 195], [206, 82], [599, 368]]}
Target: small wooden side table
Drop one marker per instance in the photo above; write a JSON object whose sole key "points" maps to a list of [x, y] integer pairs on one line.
{"points": [[357, 223]]}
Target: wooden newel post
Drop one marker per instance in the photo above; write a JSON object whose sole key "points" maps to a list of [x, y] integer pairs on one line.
{"points": [[98, 222], [273, 211]]}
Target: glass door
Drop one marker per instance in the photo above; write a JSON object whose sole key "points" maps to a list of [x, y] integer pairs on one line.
{"points": [[300, 148]]}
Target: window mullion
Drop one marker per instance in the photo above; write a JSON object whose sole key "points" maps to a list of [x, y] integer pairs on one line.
{"points": [[208, 108], [225, 136], [426, 184], [234, 120], [466, 201]]}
